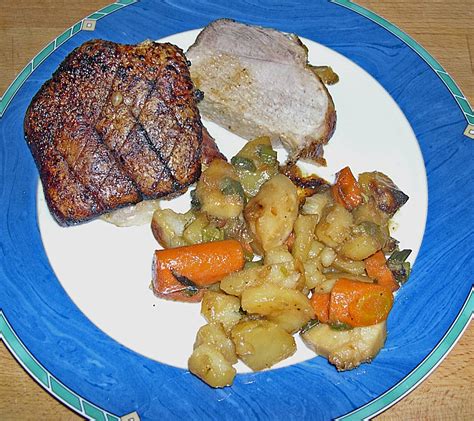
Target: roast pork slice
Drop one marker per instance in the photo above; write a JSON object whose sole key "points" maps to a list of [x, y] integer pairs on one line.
{"points": [[257, 81]]}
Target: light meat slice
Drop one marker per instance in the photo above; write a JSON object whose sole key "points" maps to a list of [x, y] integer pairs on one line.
{"points": [[257, 81]]}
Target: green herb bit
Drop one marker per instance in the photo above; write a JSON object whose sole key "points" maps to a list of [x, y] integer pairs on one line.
{"points": [[230, 187], [243, 163], [399, 256], [212, 233], [267, 154], [339, 326], [254, 264], [399, 267], [307, 326], [401, 271], [367, 227], [248, 256], [190, 291]]}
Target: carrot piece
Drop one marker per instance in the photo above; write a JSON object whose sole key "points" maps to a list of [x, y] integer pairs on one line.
{"points": [[358, 303], [166, 285], [346, 190], [376, 267], [320, 304], [186, 269]]}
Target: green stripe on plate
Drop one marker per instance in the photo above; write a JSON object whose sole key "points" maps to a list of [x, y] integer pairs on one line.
{"points": [[21, 352], [450, 83], [126, 2], [394, 30], [455, 91], [470, 119], [422, 370], [11, 91], [112, 418], [76, 28], [464, 105], [63, 37], [93, 412], [96, 16], [110, 8], [45, 52], [65, 394]]}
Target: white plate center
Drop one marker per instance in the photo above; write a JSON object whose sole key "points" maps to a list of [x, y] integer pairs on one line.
{"points": [[107, 270]]}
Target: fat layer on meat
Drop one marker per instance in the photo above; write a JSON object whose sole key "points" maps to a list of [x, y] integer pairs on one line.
{"points": [[116, 124], [257, 81]]}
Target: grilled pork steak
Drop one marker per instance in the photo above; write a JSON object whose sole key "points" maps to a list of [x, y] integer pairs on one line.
{"points": [[257, 81], [116, 124]]}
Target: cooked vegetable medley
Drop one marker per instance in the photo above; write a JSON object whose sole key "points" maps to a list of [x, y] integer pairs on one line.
{"points": [[269, 256]]}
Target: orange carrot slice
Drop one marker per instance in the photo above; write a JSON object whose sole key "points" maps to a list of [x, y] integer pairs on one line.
{"points": [[346, 190], [167, 286], [358, 303], [320, 304], [183, 271], [376, 267]]}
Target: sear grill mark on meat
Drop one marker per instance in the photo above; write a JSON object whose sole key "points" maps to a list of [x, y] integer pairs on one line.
{"points": [[168, 97], [115, 124]]}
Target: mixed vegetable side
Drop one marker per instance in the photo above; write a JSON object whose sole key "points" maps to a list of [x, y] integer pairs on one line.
{"points": [[269, 255]]}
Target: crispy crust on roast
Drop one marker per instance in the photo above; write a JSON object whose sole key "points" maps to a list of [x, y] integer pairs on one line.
{"points": [[115, 124]]}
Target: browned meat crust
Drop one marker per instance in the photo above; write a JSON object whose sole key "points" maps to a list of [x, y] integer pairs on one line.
{"points": [[210, 150], [115, 124], [305, 185]]}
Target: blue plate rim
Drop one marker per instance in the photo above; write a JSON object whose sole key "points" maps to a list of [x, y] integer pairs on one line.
{"points": [[87, 408]]}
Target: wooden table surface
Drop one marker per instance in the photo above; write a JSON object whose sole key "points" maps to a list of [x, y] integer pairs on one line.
{"points": [[445, 28]]}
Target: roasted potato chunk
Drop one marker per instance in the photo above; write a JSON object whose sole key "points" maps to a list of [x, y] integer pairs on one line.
{"points": [[346, 349], [388, 197], [235, 283], [214, 334], [335, 226], [277, 255], [288, 308], [219, 191], [313, 273], [261, 344], [271, 214], [168, 227], [211, 366], [222, 308], [304, 236], [365, 240], [255, 163], [314, 205]]}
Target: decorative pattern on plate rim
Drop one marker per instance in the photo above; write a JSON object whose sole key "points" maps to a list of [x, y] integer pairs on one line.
{"points": [[46, 380], [432, 62], [421, 372], [52, 46]]}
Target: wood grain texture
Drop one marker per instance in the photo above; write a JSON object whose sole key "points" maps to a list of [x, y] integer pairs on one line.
{"points": [[444, 28]]}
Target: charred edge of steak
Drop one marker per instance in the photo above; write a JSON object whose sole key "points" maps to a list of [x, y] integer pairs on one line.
{"points": [[70, 199]]}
